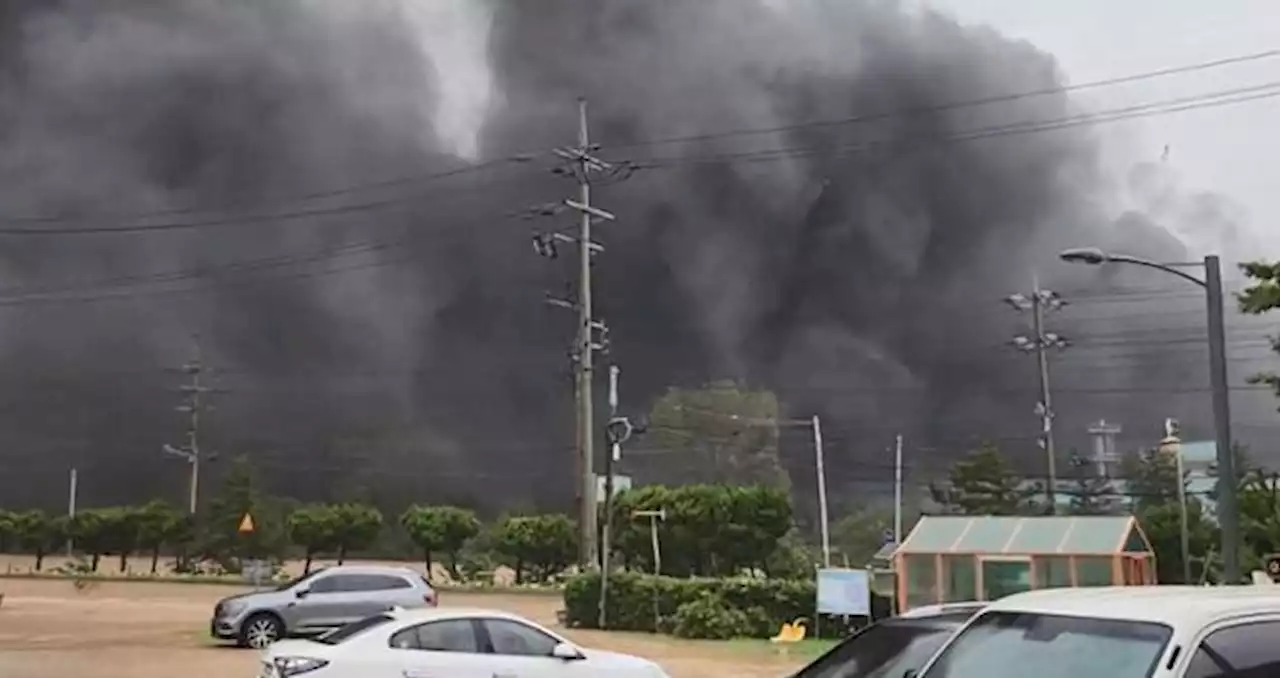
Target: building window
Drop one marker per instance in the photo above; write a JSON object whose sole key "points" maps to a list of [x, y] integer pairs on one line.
{"points": [[959, 579]]}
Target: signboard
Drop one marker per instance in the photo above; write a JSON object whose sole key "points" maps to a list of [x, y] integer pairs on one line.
{"points": [[246, 524], [887, 537], [844, 592], [620, 483]]}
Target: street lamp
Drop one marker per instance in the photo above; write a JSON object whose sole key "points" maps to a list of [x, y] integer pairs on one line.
{"points": [[1228, 511]]}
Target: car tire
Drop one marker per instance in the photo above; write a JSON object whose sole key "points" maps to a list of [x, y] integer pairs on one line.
{"points": [[260, 630]]}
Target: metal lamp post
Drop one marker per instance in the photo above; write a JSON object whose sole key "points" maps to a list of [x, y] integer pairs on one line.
{"points": [[1228, 510]]}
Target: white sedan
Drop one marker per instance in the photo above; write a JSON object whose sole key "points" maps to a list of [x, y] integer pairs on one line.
{"points": [[447, 643]]}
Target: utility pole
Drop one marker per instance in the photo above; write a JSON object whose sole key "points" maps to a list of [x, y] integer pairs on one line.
{"points": [[1039, 303], [581, 165], [897, 490], [73, 491], [193, 405], [619, 430], [820, 463]]}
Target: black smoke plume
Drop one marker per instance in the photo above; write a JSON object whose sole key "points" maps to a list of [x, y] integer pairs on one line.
{"points": [[863, 285]]}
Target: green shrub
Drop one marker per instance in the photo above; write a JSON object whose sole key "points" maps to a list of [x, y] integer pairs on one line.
{"points": [[709, 617], [763, 603]]}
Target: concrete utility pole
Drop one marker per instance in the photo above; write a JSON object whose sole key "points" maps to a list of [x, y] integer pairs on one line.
{"points": [[592, 334], [1040, 302], [619, 430], [194, 405]]}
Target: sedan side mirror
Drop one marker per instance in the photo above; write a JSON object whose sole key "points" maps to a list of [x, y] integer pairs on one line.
{"points": [[566, 652]]}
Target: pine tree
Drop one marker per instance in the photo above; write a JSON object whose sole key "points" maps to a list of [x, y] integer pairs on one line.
{"points": [[1093, 494]]}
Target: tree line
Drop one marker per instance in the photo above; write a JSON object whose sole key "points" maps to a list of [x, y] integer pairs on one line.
{"points": [[710, 530]]}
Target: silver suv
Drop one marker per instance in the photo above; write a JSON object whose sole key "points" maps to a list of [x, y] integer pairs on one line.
{"points": [[318, 602]]}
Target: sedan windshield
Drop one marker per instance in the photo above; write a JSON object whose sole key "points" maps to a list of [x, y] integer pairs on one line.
{"points": [[1009, 644], [886, 650]]}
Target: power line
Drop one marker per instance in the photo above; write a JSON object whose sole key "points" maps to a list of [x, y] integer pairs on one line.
{"points": [[859, 119], [1169, 106], [282, 200], [403, 201]]}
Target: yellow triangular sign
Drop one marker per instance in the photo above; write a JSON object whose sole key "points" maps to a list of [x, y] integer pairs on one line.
{"points": [[246, 524]]}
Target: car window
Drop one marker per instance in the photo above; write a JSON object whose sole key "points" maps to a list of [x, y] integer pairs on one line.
{"points": [[1004, 644], [1245, 651], [881, 651], [514, 638], [378, 582], [345, 633], [452, 635], [334, 583]]}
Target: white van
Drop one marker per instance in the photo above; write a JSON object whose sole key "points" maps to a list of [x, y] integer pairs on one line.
{"points": [[1119, 632]]}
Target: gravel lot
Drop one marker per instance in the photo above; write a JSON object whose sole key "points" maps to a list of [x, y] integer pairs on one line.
{"points": [[50, 629]]}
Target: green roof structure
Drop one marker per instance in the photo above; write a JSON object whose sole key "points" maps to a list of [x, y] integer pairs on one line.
{"points": [[1036, 535], [974, 558]]}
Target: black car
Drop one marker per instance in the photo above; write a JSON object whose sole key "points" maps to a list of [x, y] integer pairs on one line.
{"points": [[891, 648]]}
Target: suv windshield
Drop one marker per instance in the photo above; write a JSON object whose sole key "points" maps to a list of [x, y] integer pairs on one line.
{"points": [[345, 633], [885, 650], [1004, 644]]}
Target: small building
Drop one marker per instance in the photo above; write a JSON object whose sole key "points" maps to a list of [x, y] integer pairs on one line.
{"points": [[964, 558]]}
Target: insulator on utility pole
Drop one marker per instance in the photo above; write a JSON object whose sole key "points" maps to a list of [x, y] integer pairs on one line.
{"points": [[1038, 303]]}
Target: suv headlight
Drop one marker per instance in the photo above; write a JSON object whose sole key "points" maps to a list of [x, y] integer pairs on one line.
{"points": [[292, 666], [231, 608]]}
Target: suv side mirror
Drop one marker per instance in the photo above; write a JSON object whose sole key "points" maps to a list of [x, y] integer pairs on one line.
{"points": [[302, 591], [566, 652], [910, 673]]}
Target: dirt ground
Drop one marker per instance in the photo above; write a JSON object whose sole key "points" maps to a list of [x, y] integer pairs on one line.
{"points": [[50, 629]]}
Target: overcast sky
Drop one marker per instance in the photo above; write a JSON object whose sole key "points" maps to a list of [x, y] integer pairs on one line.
{"points": [[1232, 150]]}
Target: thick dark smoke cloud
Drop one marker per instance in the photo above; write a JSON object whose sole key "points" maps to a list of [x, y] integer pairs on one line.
{"points": [[860, 285]]}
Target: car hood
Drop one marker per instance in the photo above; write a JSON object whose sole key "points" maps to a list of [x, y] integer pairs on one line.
{"points": [[617, 660], [297, 647]]}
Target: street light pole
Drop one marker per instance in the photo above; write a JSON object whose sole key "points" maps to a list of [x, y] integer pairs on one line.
{"points": [[1228, 508]]}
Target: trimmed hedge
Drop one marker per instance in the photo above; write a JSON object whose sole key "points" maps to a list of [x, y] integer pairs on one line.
{"points": [[748, 607]]}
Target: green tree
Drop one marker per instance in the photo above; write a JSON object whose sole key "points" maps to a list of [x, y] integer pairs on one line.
{"points": [[436, 529], [8, 530], [984, 484], [1259, 502], [541, 546], [314, 527], [159, 524], [119, 532], [859, 535], [90, 530], [1092, 494], [721, 433], [356, 528], [1262, 296], [37, 532], [238, 495], [1151, 479], [1162, 524], [709, 530]]}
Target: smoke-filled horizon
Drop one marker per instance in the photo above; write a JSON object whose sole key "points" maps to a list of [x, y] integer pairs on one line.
{"points": [[861, 286]]}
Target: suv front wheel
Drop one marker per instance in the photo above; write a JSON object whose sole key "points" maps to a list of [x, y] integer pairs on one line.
{"points": [[260, 630]]}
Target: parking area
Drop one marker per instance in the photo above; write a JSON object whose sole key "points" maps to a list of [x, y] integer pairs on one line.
{"points": [[154, 630]]}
